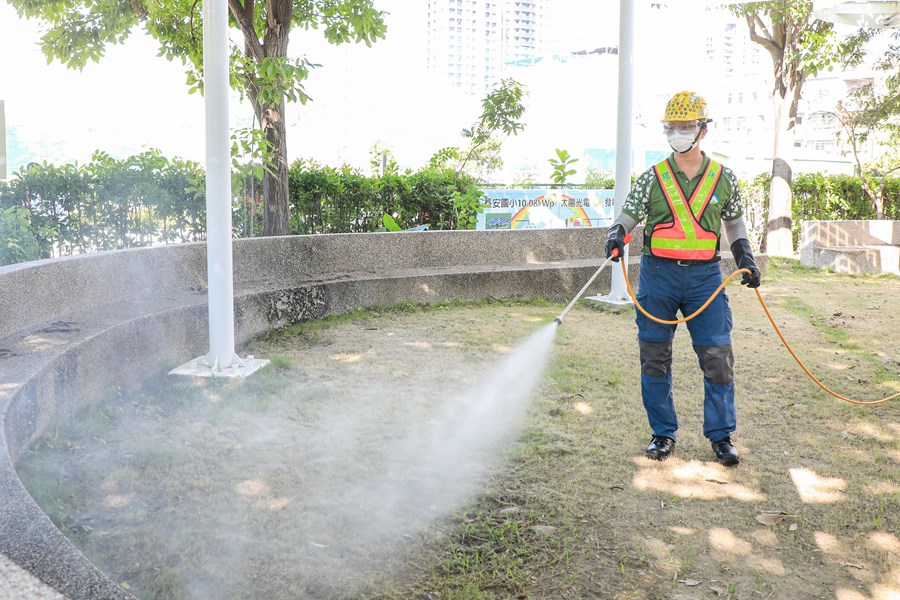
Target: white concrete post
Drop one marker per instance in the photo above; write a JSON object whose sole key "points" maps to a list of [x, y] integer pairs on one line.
{"points": [[625, 116], [618, 293], [218, 184], [221, 360]]}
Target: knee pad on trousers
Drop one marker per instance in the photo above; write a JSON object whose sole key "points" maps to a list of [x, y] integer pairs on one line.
{"points": [[717, 363], [656, 358]]}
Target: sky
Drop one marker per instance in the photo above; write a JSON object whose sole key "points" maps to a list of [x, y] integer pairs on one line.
{"points": [[130, 100], [133, 100]]}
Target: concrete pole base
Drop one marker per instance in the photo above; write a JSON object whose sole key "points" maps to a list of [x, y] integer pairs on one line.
{"points": [[240, 367], [611, 299]]}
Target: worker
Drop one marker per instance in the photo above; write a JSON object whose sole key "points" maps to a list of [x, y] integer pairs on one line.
{"points": [[686, 202]]}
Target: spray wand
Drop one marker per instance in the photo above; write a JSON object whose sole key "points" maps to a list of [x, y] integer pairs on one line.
{"points": [[614, 254]]}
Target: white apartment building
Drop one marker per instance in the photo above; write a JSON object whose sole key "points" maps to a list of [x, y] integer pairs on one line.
{"points": [[474, 42]]}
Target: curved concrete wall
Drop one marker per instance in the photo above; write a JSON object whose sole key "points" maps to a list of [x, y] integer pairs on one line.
{"points": [[72, 328]]}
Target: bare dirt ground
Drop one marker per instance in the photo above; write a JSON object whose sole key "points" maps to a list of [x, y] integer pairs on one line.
{"points": [[379, 458]]}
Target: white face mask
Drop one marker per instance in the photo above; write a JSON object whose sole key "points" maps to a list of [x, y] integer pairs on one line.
{"points": [[682, 142]]}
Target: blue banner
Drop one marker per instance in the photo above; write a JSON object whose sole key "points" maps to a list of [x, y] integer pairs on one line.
{"points": [[546, 209]]}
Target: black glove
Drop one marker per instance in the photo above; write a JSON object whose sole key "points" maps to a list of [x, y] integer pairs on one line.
{"points": [[743, 256], [615, 238]]}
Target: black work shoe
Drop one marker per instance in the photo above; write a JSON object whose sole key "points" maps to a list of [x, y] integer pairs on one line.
{"points": [[660, 447], [725, 452]]}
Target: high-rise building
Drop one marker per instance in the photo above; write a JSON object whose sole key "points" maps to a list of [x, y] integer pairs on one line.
{"points": [[742, 105], [475, 42]]}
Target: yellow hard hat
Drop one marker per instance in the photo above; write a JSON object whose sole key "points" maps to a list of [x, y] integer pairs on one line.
{"points": [[686, 106]]}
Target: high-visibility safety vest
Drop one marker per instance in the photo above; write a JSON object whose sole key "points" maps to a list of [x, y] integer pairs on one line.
{"points": [[684, 238]]}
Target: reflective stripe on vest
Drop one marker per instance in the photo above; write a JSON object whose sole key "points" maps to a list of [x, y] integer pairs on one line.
{"points": [[684, 238]]}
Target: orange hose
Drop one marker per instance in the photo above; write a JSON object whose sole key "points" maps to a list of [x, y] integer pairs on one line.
{"points": [[771, 320]]}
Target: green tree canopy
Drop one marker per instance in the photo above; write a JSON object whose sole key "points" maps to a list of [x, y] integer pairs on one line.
{"points": [[78, 31], [800, 46], [872, 110]]}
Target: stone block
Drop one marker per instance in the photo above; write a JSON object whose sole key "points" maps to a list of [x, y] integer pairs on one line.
{"points": [[849, 246], [868, 259]]}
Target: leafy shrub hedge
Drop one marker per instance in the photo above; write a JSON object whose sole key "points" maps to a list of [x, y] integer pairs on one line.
{"points": [[328, 200], [818, 197], [103, 205], [48, 211]]}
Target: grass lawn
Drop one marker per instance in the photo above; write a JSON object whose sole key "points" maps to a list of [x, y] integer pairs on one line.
{"points": [[442, 453]]}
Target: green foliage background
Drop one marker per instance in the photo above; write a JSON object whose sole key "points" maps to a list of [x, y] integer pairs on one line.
{"points": [[48, 211], [328, 200], [106, 204], [817, 197]]}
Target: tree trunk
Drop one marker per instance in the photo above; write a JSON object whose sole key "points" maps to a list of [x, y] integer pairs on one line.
{"points": [[276, 214], [874, 195], [276, 210], [778, 238]]}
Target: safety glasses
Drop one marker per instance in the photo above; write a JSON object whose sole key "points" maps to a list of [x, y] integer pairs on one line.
{"points": [[691, 127]]}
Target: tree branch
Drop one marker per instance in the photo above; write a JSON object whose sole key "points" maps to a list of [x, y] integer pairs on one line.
{"points": [[753, 21], [244, 14]]}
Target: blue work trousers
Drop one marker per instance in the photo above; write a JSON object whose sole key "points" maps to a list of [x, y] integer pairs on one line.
{"points": [[666, 288]]}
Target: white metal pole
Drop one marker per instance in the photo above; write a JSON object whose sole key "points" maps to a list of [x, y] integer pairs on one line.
{"points": [[624, 115], [218, 184], [221, 360], [2, 141]]}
